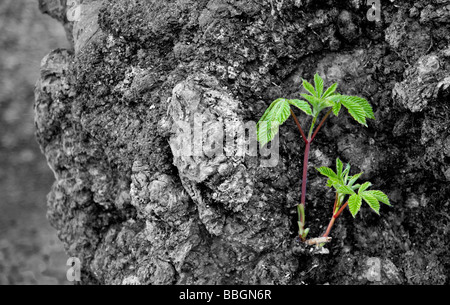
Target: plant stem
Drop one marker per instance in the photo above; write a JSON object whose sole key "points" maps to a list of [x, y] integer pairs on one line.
{"points": [[305, 172], [305, 163], [311, 136], [312, 128], [321, 123], [301, 220], [333, 219], [330, 225], [299, 126], [335, 203], [301, 206]]}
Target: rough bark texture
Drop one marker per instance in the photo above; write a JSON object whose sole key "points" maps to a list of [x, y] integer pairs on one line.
{"points": [[135, 211]]}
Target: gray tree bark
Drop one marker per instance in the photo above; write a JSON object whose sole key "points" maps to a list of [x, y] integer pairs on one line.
{"points": [[136, 209]]}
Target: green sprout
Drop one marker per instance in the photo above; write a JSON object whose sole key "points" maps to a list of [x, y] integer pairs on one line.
{"points": [[344, 185], [313, 103]]}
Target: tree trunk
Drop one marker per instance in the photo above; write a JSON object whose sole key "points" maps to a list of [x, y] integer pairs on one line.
{"points": [[140, 198]]}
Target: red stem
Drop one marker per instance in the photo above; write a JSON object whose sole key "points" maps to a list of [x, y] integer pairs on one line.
{"points": [[320, 125], [305, 172], [335, 202], [333, 219], [330, 225], [299, 126], [303, 196], [305, 162], [340, 210]]}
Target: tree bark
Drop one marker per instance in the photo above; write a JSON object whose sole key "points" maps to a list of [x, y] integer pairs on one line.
{"points": [[135, 206]]}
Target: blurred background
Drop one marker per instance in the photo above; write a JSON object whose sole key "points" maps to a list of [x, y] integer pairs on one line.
{"points": [[30, 252]]}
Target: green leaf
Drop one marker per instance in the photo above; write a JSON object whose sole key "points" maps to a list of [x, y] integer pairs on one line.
{"points": [[269, 114], [264, 126], [337, 108], [302, 105], [309, 88], [364, 187], [266, 131], [305, 233], [371, 201], [335, 98], [318, 81], [368, 111], [344, 189], [339, 167], [345, 173], [380, 196], [353, 179], [325, 103], [355, 110], [354, 204], [268, 126], [326, 171], [268, 110], [263, 133], [314, 101], [363, 103], [366, 106], [281, 111], [330, 90]]}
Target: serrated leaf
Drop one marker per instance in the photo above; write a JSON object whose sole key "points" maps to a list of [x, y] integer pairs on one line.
{"points": [[368, 111], [339, 167], [281, 111], [353, 179], [266, 113], [345, 173], [366, 106], [344, 189], [337, 108], [326, 171], [269, 114], [314, 101], [380, 196], [302, 105], [310, 88], [334, 98], [325, 103], [268, 126], [266, 131], [364, 187], [354, 204], [330, 90], [371, 201], [318, 81], [355, 110], [333, 179]]}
